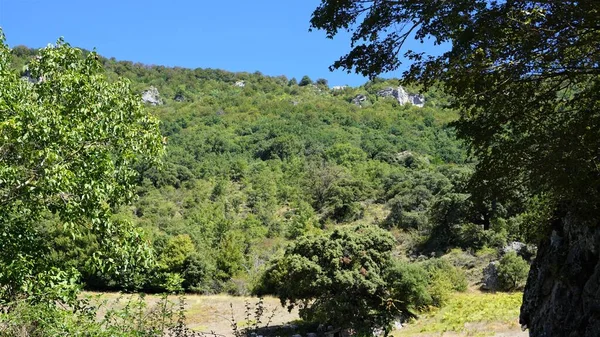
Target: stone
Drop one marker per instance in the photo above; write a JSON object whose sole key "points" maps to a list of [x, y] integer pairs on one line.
{"points": [[514, 246], [402, 96], [240, 84], [179, 98], [339, 87], [359, 99], [311, 334], [378, 332], [562, 295], [151, 96], [527, 252], [490, 277]]}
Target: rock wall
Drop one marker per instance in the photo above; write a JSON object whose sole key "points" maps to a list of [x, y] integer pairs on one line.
{"points": [[152, 96], [402, 96], [562, 296]]}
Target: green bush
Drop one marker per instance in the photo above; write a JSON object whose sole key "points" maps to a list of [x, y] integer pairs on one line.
{"points": [[96, 318], [409, 281], [444, 278], [474, 236], [512, 272]]}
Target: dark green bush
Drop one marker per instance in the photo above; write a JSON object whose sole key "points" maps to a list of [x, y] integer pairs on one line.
{"points": [[512, 272]]}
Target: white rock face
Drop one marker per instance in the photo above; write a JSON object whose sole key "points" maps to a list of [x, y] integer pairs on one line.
{"points": [[240, 84], [402, 96], [151, 96]]}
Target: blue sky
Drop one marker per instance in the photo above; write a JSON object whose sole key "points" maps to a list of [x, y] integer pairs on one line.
{"points": [[270, 36]]}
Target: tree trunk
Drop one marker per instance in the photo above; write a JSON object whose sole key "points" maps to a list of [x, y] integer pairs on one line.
{"points": [[562, 295]]}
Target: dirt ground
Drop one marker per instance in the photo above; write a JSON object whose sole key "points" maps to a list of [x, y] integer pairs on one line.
{"points": [[215, 313]]}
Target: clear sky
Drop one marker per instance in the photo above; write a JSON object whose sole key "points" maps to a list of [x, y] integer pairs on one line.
{"points": [[270, 36]]}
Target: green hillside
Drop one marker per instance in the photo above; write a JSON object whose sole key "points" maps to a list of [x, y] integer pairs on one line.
{"points": [[253, 162]]}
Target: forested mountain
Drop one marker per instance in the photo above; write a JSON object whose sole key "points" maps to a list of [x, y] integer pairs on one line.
{"points": [[253, 162]]}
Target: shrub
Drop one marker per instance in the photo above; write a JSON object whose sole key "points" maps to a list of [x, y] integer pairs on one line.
{"points": [[305, 81], [512, 272], [444, 278], [341, 277], [95, 318]]}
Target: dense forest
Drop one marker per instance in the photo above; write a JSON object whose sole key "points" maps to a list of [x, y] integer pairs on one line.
{"points": [[254, 162], [362, 207]]}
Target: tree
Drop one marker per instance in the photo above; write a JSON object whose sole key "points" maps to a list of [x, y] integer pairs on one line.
{"points": [[346, 278], [526, 77], [305, 81], [322, 82], [69, 144]]}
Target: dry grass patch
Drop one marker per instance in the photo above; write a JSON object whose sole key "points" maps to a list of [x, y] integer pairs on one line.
{"points": [[212, 313]]}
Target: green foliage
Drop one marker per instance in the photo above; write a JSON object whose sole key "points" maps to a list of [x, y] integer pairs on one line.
{"points": [[91, 317], [305, 81], [444, 278], [520, 112], [346, 278], [70, 141], [512, 272], [249, 168]]}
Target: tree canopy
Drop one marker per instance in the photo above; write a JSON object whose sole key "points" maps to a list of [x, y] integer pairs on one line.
{"points": [[346, 278], [525, 75], [70, 141]]}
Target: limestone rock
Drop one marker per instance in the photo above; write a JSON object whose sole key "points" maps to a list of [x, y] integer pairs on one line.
{"points": [[359, 99], [514, 246], [562, 295], [152, 96], [240, 84], [402, 96], [526, 251], [490, 277]]}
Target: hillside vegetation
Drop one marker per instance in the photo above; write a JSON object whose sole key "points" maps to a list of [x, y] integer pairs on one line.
{"points": [[266, 179], [255, 161]]}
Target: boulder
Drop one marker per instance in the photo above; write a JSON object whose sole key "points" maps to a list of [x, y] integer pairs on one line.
{"points": [[402, 96], [359, 99], [490, 277], [514, 246], [151, 96], [179, 98], [240, 84], [527, 252]]}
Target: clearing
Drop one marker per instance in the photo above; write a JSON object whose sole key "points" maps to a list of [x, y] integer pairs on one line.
{"points": [[472, 313]]}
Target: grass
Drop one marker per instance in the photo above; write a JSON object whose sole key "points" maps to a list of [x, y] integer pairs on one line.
{"points": [[471, 314], [466, 314], [212, 313]]}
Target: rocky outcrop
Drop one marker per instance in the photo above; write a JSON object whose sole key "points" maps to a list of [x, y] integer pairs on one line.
{"points": [[402, 96], [240, 84], [359, 99], [562, 295], [490, 279], [152, 96], [527, 252]]}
